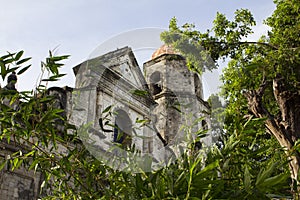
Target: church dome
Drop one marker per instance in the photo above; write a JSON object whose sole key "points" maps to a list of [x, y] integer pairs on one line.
{"points": [[164, 49]]}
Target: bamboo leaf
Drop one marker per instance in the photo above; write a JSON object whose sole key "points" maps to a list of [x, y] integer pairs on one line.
{"points": [[19, 54], [23, 70], [208, 168], [247, 179], [3, 70], [275, 180], [3, 164], [107, 109], [23, 61], [264, 174]]}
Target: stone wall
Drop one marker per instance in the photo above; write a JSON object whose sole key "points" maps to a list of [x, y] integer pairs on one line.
{"points": [[19, 184], [180, 90]]}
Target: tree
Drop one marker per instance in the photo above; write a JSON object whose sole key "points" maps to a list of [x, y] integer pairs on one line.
{"points": [[262, 78]]}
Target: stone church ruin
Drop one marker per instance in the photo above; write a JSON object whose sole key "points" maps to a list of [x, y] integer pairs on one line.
{"points": [[148, 109]]}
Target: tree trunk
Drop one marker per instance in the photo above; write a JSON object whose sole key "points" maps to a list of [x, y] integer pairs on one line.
{"points": [[285, 127]]}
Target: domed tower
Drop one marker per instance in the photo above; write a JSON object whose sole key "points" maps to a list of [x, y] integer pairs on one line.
{"points": [[176, 89]]}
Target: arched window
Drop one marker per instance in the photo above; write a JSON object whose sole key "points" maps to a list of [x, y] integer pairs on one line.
{"points": [[155, 83], [198, 86], [123, 128]]}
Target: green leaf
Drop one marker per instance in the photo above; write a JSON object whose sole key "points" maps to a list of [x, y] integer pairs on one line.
{"points": [[23, 70], [9, 61], [54, 78], [12, 69], [19, 54], [208, 168], [264, 174], [3, 70], [7, 56], [59, 58], [15, 162], [30, 153], [139, 121], [3, 164], [141, 93], [247, 179], [275, 180], [23, 61], [108, 108], [34, 164]]}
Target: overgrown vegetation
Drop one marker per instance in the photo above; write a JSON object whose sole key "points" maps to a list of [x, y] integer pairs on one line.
{"points": [[262, 78], [251, 163]]}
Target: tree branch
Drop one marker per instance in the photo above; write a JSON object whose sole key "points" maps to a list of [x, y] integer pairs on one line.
{"points": [[256, 106]]}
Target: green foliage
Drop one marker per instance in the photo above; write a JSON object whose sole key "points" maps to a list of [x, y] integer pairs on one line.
{"points": [[252, 66], [202, 50], [240, 170], [10, 63], [249, 164]]}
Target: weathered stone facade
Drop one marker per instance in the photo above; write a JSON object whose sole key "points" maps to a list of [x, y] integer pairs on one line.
{"points": [[18, 184], [176, 85], [115, 79]]}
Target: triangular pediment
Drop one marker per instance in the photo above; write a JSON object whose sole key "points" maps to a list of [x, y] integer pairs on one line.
{"points": [[127, 72], [121, 62]]}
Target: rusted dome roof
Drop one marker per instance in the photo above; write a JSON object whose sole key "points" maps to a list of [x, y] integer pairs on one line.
{"points": [[164, 49]]}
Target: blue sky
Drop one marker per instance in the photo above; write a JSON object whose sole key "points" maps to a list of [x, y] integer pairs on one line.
{"points": [[78, 27]]}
